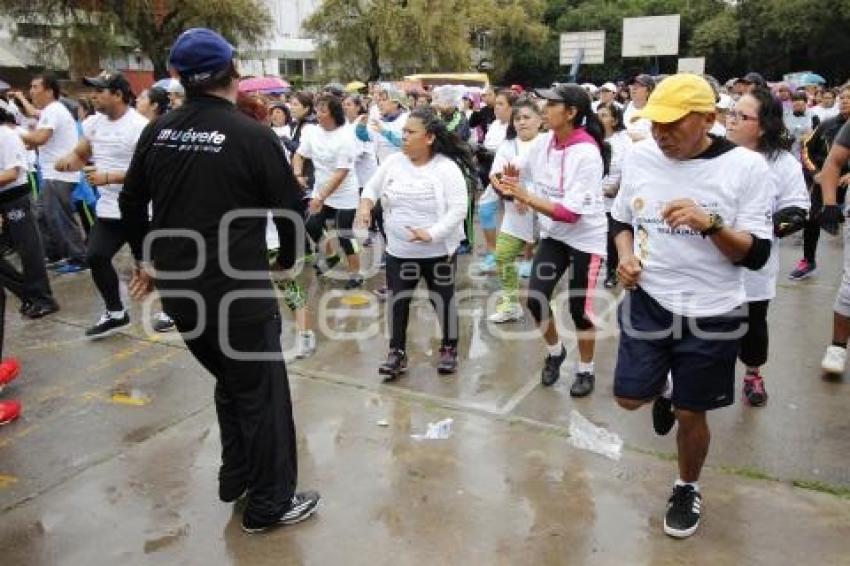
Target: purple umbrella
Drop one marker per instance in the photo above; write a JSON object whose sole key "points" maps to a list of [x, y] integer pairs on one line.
{"points": [[266, 85]]}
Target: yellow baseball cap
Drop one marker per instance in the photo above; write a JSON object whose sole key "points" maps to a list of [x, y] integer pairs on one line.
{"points": [[677, 96]]}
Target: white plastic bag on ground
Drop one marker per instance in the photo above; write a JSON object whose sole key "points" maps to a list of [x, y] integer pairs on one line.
{"points": [[587, 436], [440, 430]]}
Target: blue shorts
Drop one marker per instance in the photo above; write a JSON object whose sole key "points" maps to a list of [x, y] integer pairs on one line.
{"points": [[488, 215], [700, 353]]}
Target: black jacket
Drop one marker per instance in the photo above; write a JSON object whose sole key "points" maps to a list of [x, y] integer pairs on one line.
{"points": [[199, 165]]}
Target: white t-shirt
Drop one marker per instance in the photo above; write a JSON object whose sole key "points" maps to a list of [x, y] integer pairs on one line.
{"points": [[789, 190], [517, 224], [686, 273], [13, 153], [718, 129], [496, 133], [113, 143], [825, 113], [431, 196], [571, 177], [640, 127], [383, 147], [366, 163], [332, 150], [62, 141], [620, 144]]}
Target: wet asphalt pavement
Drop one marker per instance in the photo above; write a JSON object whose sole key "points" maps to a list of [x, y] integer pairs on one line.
{"points": [[115, 458]]}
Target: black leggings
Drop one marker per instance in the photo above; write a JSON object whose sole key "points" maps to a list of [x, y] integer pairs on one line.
{"points": [[612, 258], [403, 276], [551, 261], [344, 218], [753, 348], [811, 229], [106, 238]]}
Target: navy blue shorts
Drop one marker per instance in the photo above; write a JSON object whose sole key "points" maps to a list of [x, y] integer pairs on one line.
{"points": [[654, 341]]}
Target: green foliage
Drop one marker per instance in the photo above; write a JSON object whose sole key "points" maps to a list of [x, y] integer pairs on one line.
{"points": [[86, 25], [368, 38]]}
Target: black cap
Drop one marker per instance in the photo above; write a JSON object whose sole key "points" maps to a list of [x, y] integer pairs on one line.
{"points": [[753, 78], [643, 79], [110, 80], [558, 92]]}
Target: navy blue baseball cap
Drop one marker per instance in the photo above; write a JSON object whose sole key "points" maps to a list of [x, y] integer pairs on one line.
{"points": [[199, 53]]}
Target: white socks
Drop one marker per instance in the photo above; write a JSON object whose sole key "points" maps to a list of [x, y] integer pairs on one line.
{"points": [[585, 367], [117, 315], [667, 393], [693, 484], [555, 350]]}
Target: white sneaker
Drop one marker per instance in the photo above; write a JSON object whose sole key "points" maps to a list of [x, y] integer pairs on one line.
{"points": [[507, 312], [305, 345], [834, 360]]}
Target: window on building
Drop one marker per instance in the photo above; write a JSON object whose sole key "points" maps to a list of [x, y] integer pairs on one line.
{"points": [[305, 68]]}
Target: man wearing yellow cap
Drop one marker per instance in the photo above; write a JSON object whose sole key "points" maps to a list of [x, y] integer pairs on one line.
{"points": [[702, 207]]}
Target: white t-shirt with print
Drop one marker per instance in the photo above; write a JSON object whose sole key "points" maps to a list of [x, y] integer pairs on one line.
{"points": [[113, 143], [686, 273], [789, 190], [13, 153], [332, 150], [431, 196], [515, 223], [571, 177], [63, 140]]}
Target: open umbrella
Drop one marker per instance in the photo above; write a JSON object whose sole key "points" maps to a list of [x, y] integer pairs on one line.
{"points": [[354, 86], [807, 79], [265, 85], [170, 86]]}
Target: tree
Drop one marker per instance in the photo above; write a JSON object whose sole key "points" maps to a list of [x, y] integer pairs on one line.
{"points": [[361, 38], [153, 25]]}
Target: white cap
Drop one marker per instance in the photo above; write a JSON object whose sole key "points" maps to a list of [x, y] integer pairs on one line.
{"points": [[609, 86], [725, 102], [590, 87]]}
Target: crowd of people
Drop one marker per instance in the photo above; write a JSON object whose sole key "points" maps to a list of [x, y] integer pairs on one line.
{"points": [[674, 189]]}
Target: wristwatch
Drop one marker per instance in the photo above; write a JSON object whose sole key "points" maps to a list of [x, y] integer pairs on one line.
{"points": [[715, 225]]}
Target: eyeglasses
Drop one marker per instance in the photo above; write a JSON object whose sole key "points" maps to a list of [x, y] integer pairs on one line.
{"points": [[736, 115]]}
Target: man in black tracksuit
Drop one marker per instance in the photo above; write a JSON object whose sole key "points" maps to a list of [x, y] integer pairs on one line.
{"points": [[203, 166]]}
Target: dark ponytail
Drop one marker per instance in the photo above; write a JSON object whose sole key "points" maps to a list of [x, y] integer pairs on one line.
{"points": [[445, 142], [586, 118], [775, 137]]}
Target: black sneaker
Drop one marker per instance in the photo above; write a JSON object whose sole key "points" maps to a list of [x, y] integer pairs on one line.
{"points": [[164, 323], [302, 507], [663, 417], [552, 368], [323, 266], [683, 512], [354, 282], [395, 365], [107, 326], [40, 309], [448, 360], [26, 305], [583, 384]]}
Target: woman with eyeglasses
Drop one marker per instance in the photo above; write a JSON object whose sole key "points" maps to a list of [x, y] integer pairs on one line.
{"points": [[756, 123]]}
